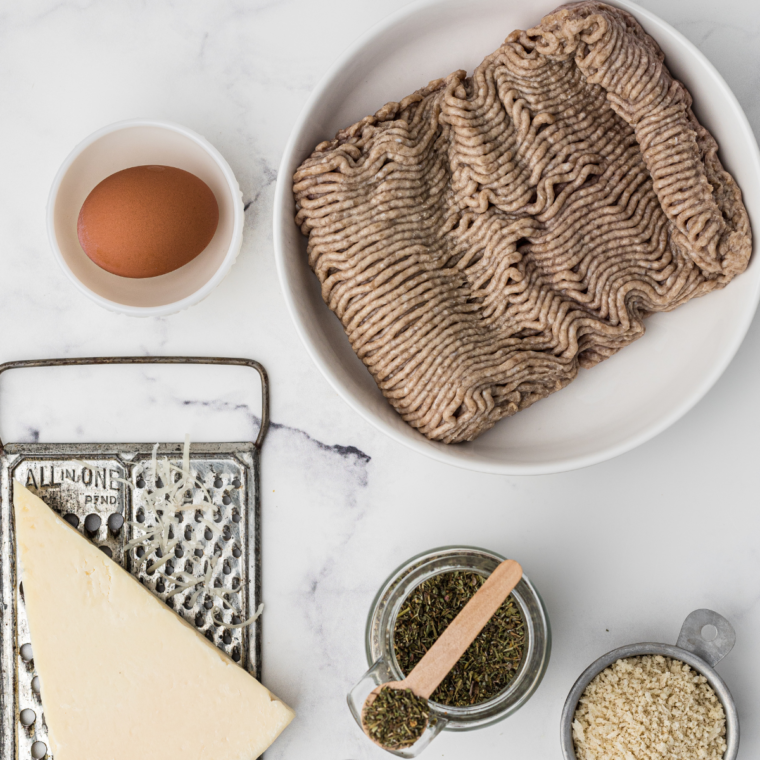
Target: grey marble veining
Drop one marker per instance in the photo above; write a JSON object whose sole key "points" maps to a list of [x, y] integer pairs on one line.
{"points": [[621, 552]]}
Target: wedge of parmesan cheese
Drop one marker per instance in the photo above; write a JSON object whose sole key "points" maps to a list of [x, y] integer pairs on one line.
{"points": [[122, 675]]}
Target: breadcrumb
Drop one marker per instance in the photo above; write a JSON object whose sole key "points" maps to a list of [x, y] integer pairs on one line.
{"points": [[649, 708]]}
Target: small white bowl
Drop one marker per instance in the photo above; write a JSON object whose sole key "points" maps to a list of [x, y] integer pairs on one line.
{"points": [[139, 142]]}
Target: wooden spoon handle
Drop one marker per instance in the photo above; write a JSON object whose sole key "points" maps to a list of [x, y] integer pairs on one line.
{"points": [[462, 631]]}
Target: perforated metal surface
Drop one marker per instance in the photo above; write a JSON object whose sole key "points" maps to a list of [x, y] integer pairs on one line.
{"points": [[87, 483], [225, 554]]}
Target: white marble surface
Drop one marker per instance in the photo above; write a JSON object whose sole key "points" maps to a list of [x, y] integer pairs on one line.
{"points": [[621, 552]]}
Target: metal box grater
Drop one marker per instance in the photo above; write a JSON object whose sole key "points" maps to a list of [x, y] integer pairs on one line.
{"points": [[84, 483]]}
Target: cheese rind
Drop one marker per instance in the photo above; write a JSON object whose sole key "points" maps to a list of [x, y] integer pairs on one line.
{"points": [[122, 675]]}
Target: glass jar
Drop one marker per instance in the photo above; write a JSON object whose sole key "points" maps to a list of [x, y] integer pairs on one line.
{"points": [[382, 658]]}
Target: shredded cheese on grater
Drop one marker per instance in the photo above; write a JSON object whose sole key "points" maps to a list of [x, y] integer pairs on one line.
{"points": [[167, 496]]}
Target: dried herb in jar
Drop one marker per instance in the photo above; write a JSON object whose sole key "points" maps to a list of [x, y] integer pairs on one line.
{"points": [[490, 662], [396, 718]]}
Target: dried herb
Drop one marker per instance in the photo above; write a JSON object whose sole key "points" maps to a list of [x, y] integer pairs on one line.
{"points": [[396, 718], [490, 662]]}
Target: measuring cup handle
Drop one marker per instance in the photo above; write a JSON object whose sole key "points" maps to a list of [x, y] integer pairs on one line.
{"points": [[711, 650]]}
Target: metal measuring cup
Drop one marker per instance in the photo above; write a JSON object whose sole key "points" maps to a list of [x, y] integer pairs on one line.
{"points": [[699, 653]]}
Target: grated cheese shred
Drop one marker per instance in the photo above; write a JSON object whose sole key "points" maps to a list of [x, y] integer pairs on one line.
{"points": [[165, 504]]}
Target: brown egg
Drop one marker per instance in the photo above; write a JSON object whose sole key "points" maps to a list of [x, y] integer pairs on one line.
{"points": [[147, 220]]}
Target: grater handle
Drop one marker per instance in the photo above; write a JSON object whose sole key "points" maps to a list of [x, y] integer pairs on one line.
{"points": [[100, 360]]}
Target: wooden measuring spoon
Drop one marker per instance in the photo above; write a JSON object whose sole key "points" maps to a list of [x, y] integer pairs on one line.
{"points": [[435, 665]]}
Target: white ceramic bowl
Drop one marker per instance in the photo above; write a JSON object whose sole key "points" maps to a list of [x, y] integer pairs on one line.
{"points": [[136, 143], [606, 411]]}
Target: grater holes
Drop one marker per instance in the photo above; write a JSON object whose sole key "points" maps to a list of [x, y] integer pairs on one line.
{"points": [[236, 482], [140, 482], [139, 552], [236, 653], [140, 515], [115, 523], [36, 684], [27, 717], [159, 482], [72, 520], [39, 750], [169, 567], [107, 551], [210, 635], [27, 655], [160, 586], [92, 524], [205, 548]]}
